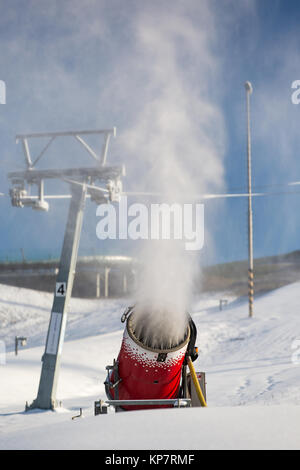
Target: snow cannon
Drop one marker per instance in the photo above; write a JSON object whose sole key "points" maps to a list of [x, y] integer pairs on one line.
{"points": [[146, 377]]}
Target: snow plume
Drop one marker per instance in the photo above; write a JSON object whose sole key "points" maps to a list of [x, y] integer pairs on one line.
{"points": [[178, 133], [147, 68]]}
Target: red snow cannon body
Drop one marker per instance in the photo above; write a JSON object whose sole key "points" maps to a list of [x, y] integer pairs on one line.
{"points": [[142, 372]]}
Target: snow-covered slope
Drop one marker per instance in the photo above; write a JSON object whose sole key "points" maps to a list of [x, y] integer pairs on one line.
{"points": [[252, 372]]}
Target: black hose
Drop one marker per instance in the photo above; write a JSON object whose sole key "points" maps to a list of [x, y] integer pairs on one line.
{"points": [[191, 348]]}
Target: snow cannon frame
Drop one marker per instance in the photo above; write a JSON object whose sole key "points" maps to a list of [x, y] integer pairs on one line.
{"points": [[144, 378]]}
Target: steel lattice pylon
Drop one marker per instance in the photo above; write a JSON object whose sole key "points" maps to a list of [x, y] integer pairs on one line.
{"points": [[82, 183]]}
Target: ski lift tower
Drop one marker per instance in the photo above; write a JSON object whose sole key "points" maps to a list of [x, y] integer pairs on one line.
{"points": [[84, 182]]}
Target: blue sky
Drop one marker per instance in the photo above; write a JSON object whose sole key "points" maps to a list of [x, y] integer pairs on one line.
{"points": [[97, 64]]}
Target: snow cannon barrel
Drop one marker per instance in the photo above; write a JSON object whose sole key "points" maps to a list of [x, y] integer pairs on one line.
{"points": [[146, 372]]}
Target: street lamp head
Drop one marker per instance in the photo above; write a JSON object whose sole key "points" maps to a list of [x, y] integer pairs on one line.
{"points": [[248, 87]]}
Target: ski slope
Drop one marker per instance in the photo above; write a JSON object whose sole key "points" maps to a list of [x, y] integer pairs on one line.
{"points": [[252, 370]]}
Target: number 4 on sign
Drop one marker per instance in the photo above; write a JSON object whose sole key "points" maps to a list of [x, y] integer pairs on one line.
{"points": [[61, 288]]}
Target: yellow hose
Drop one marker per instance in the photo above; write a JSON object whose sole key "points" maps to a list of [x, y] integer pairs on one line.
{"points": [[196, 383]]}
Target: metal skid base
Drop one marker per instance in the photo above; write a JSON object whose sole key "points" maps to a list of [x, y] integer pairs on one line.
{"points": [[188, 399], [101, 406]]}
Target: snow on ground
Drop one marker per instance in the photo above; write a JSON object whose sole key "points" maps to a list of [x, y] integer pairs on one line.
{"points": [[252, 373]]}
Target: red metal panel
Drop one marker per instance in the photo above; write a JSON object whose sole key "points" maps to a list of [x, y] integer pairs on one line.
{"points": [[143, 376]]}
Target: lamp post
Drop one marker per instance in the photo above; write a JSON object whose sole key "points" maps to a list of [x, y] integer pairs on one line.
{"points": [[249, 90]]}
